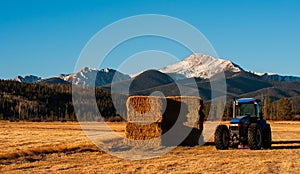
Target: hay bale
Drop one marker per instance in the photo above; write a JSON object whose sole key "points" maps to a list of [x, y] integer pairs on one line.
{"points": [[143, 132], [144, 109], [151, 117], [135, 132]]}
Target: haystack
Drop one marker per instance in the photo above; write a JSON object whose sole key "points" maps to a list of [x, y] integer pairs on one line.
{"points": [[159, 121], [144, 109]]}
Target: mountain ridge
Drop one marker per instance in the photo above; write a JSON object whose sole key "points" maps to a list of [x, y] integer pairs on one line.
{"points": [[85, 76], [195, 66]]}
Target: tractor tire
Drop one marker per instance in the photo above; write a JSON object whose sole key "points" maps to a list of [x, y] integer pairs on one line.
{"points": [[267, 137], [222, 137], [255, 136]]}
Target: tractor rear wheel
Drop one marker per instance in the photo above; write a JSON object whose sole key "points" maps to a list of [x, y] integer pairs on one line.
{"points": [[267, 137], [254, 137], [222, 137]]}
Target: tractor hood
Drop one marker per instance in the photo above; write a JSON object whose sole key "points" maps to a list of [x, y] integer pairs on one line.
{"points": [[238, 119]]}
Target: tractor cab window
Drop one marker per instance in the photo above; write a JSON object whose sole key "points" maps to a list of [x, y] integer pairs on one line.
{"points": [[246, 109]]}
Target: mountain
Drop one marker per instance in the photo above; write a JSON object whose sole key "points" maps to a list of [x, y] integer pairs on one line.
{"points": [[204, 66], [93, 77], [200, 66], [197, 66], [27, 79]]}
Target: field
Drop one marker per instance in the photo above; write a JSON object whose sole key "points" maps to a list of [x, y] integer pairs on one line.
{"points": [[28, 147]]}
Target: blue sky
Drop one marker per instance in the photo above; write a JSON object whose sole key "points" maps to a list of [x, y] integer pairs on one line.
{"points": [[46, 37]]}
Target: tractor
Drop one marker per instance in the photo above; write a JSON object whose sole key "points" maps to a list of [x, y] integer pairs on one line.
{"points": [[247, 127]]}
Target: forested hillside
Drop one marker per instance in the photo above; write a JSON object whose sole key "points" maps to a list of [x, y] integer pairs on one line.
{"points": [[45, 102]]}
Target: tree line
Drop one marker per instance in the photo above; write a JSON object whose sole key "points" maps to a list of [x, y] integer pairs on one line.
{"points": [[52, 102]]}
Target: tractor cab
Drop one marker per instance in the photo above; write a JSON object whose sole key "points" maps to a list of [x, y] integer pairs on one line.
{"points": [[247, 107]]}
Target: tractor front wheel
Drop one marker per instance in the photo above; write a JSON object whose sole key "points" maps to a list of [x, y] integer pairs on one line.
{"points": [[254, 136], [222, 137]]}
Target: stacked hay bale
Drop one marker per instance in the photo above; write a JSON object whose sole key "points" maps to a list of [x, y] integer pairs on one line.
{"points": [[144, 121], [151, 120]]}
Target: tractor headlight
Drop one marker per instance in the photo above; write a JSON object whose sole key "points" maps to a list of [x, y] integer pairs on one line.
{"points": [[235, 125]]}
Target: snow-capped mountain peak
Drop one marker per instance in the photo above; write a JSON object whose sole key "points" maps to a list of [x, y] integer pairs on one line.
{"points": [[93, 77], [201, 66]]}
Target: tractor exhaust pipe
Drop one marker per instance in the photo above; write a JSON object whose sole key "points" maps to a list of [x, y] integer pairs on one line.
{"points": [[233, 108]]}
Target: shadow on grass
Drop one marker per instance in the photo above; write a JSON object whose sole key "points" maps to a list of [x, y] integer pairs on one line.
{"points": [[286, 144]]}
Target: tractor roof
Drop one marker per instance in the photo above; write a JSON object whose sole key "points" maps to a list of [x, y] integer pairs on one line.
{"points": [[248, 100]]}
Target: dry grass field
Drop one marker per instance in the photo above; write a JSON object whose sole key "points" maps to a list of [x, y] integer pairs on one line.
{"points": [[27, 147]]}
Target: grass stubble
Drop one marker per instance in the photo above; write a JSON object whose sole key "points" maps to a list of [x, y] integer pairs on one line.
{"points": [[64, 148]]}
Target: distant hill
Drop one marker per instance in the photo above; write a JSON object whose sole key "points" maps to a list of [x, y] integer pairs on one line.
{"points": [[146, 82]]}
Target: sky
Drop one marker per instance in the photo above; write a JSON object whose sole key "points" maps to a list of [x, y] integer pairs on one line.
{"points": [[46, 37]]}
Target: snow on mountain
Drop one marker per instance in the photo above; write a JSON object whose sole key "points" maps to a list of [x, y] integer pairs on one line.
{"points": [[28, 79], [276, 77], [261, 74], [200, 66], [92, 77]]}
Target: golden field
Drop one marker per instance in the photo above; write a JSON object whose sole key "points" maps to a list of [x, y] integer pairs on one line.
{"points": [[28, 147]]}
